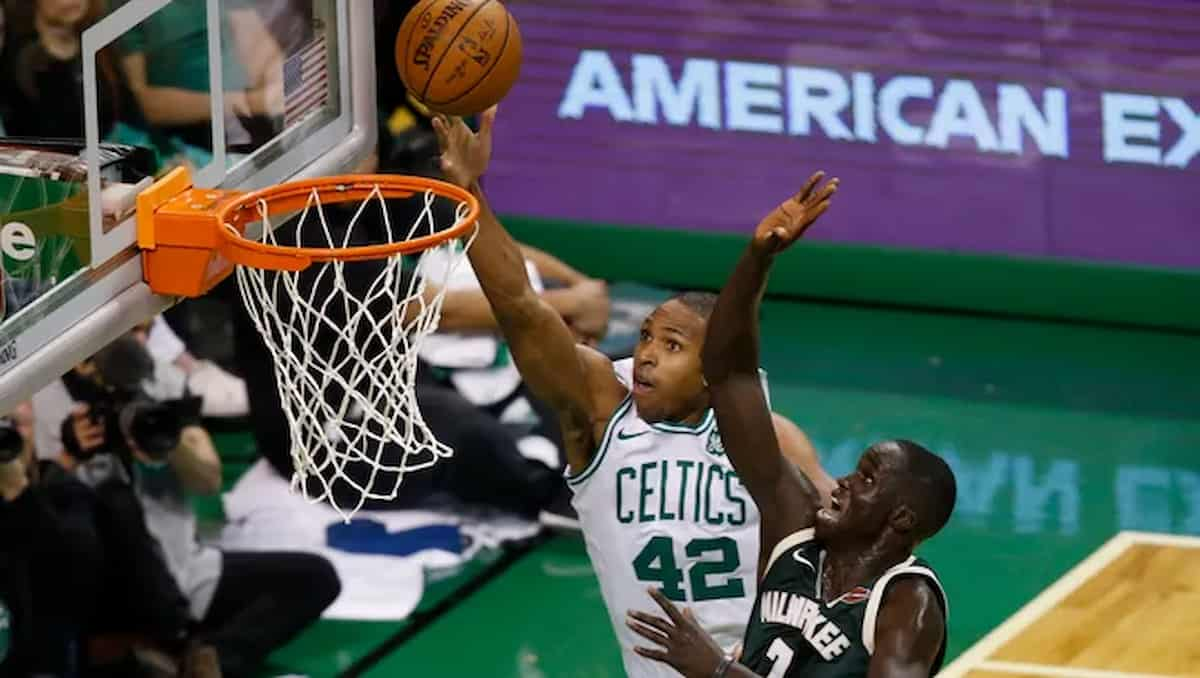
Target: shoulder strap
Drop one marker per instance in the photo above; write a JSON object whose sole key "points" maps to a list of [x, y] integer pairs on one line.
{"points": [[908, 567], [575, 479], [794, 539]]}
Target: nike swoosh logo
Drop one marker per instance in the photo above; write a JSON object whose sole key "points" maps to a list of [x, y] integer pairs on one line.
{"points": [[801, 559], [623, 436]]}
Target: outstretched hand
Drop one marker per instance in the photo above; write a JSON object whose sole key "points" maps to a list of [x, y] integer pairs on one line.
{"points": [[788, 222], [465, 154], [686, 645]]}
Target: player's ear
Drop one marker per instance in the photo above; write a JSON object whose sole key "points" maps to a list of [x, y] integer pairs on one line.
{"points": [[903, 519]]}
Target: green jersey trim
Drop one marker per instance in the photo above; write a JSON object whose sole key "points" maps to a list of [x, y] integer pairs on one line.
{"points": [[604, 443], [696, 430]]}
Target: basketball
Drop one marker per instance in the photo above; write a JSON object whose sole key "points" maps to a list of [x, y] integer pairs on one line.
{"points": [[458, 57]]}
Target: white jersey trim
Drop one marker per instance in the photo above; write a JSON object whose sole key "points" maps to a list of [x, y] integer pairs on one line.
{"points": [[877, 591], [577, 478], [794, 539]]}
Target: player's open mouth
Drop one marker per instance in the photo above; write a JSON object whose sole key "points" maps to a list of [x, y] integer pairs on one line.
{"points": [[835, 505], [640, 385]]}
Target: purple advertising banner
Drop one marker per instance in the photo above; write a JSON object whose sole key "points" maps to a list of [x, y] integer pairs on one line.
{"points": [[1060, 128]]}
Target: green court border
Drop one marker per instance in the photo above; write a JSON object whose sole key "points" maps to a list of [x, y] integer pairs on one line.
{"points": [[1042, 288]]}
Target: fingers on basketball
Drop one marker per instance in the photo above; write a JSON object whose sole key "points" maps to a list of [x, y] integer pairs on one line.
{"points": [[487, 120], [441, 130]]}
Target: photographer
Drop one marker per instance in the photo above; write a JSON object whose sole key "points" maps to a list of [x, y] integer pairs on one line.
{"points": [[50, 561], [135, 423]]}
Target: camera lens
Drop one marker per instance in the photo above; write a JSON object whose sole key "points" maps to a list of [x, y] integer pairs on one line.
{"points": [[154, 427]]}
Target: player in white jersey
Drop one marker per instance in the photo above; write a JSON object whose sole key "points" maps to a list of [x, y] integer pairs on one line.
{"points": [[659, 504]]}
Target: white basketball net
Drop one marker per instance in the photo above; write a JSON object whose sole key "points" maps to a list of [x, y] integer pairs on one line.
{"points": [[345, 337]]}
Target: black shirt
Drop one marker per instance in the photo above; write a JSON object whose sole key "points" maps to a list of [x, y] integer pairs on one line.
{"points": [[44, 95]]}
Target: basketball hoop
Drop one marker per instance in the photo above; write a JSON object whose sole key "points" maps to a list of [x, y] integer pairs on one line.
{"points": [[343, 320]]}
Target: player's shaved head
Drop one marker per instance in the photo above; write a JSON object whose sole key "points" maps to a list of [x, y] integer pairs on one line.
{"points": [[701, 303], [929, 488]]}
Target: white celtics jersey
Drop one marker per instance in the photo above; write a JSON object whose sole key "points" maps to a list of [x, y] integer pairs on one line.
{"points": [[661, 506]]}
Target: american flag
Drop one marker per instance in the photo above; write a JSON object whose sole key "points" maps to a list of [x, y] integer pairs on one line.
{"points": [[305, 80]]}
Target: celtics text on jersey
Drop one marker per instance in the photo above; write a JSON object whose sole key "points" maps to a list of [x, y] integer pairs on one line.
{"points": [[661, 506]]}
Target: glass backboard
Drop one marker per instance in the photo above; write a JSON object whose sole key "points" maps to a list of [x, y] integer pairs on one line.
{"points": [[293, 97]]}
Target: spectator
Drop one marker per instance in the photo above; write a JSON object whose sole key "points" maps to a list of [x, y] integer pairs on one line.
{"points": [[290, 22], [72, 570], [43, 69], [222, 394], [243, 604], [165, 62], [44, 627]]}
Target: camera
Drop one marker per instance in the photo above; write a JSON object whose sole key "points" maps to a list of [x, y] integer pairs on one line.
{"points": [[115, 395], [154, 427]]}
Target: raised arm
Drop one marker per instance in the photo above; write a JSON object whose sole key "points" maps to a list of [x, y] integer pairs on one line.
{"points": [[542, 345], [786, 500], [799, 450]]}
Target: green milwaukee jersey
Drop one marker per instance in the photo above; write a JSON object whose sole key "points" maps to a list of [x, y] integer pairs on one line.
{"points": [[794, 632]]}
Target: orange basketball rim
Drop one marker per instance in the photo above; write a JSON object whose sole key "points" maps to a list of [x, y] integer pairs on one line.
{"points": [[191, 238]]}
